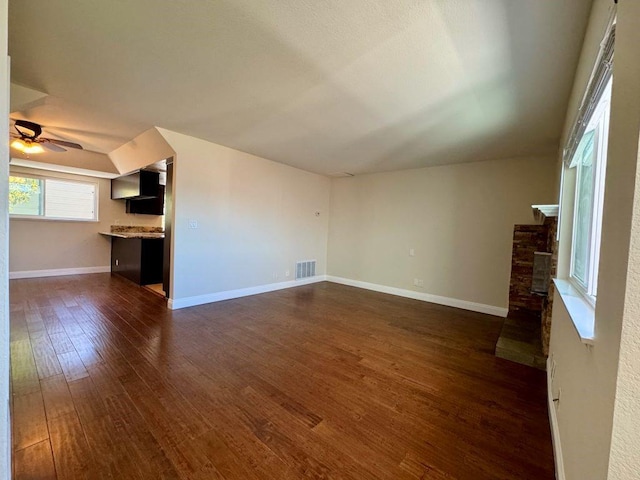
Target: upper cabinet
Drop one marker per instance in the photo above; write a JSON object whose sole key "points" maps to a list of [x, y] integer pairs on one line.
{"points": [[142, 191], [140, 185], [147, 206]]}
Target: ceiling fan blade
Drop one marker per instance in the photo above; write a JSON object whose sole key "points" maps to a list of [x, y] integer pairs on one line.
{"points": [[62, 143], [52, 147]]}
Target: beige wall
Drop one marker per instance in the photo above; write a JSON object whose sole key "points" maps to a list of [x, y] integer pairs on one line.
{"points": [[46, 244], [147, 148], [255, 217], [585, 375], [459, 220], [621, 253]]}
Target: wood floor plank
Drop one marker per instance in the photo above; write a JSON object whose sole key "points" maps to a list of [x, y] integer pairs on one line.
{"points": [[34, 462], [319, 381], [72, 455], [61, 342], [57, 398], [136, 433], [87, 400], [29, 420], [24, 374], [45, 357], [72, 366]]}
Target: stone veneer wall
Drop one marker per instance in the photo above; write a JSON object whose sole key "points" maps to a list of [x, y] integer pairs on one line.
{"points": [[552, 246], [527, 239]]}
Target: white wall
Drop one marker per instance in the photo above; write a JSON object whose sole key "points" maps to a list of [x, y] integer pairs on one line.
{"points": [[622, 211], [624, 462], [586, 375], [255, 217], [5, 424], [459, 220], [37, 244]]}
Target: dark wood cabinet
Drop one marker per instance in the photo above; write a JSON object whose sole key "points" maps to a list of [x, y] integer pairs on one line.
{"points": [[149, 206], [142, 184], [138, 259]]}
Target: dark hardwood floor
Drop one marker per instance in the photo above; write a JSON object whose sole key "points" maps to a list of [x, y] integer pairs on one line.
{"points": [[320, 381]]}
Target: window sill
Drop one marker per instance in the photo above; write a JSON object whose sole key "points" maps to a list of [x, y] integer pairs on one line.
{"points": [[581, 312]]}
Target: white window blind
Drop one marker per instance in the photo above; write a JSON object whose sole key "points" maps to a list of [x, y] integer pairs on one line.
{"points": [[598, 82], [72, 200]]}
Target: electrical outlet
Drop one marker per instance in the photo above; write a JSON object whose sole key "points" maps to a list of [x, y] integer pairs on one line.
{"points": [[286, 273], [193, 223], [117, 262], [418, 282], [412, 252], [275, 275]]}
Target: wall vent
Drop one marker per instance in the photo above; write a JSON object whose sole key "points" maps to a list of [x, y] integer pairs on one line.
{"points": [[305, 268]]}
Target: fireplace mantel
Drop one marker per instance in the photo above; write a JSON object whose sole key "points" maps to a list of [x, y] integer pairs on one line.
{"points": [[542, 212]]}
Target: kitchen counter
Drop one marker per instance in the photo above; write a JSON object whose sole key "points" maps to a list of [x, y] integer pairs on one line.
{"points": [[137, 252], [134, 231], [134, 234]]}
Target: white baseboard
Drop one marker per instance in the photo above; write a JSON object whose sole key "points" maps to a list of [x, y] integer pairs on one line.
{"points": [[425, 297], [57, 272], [555, 431], [177, 303]]}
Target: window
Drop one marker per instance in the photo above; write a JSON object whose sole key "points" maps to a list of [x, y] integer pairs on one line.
{"points": [[52, 198], [589, 160]]}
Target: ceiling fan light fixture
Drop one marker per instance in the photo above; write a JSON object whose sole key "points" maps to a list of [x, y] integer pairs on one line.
{"points": [[18, 144], [26, 146]]}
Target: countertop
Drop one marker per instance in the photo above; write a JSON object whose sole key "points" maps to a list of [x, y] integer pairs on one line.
{"points": [[134, 234]]}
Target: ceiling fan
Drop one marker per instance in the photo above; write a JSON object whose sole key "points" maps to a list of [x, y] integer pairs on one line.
{"points": [[28, 139]]}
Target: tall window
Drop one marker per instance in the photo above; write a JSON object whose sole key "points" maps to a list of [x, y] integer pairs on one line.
{"points": [[590, 160], [52, 198]]}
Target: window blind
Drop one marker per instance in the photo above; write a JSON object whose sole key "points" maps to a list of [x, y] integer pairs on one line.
{"points": [[596, 86], [69, 200]]}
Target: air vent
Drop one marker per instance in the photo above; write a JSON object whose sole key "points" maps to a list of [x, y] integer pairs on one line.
{"points": [[305, 269]]}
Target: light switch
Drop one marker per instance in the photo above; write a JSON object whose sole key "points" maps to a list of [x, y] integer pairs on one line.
{"points": [[412, 252]]}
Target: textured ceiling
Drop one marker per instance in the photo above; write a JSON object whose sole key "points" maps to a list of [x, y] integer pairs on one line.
{"points": [[332, 86]]}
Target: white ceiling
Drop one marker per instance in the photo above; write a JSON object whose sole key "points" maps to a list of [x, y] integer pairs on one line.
{"points": [[334, 86]]}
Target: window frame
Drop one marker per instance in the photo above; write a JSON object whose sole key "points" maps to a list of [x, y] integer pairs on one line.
{"points": [[599, 124], [43, 216]]}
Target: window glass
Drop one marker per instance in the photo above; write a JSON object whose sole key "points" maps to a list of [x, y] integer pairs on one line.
{"points": [[52, 198], [25, 196], [584, 207], [590, 161]]}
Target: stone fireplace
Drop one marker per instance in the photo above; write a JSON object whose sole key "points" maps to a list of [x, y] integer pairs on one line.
{"points": [[525, 334]]}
